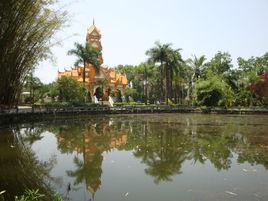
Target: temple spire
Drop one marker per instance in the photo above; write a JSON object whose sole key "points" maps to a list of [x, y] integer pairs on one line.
{"points": [[93, 21]]}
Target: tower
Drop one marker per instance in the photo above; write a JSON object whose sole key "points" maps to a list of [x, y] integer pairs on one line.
{"points": [[94, 38]]}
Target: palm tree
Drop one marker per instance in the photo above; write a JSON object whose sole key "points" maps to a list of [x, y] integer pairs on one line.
{"points": [[196, 64], [86, 54], [174, 68], [170, 61], [160, 53]]}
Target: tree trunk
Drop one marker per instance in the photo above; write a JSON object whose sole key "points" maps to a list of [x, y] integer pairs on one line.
{"points": [[170, 84], [175, 94], [167, 84], [84, 73]]}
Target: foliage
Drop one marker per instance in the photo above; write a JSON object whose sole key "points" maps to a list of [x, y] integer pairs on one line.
{"points": [[250, 73], [118, 94], [129, 104], [196, 66], [69, 89], [70, 104], [26, 29], [220, 64], [213, 92], [86, 54], [211, 83], [170, 61], [131, 94], [30, 195], [36, 88], [260, 89]]}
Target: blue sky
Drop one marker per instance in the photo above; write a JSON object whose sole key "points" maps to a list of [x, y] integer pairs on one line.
{"points": [[130, 27]]}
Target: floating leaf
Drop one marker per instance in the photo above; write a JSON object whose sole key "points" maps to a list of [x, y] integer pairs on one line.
{"points": [[231, 193], [2, 192]]}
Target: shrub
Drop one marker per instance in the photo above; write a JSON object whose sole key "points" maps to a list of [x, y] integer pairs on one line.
{"points": [[214, 92]]}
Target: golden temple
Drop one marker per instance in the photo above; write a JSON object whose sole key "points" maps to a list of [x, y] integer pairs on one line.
{"points": [[107, 79]]}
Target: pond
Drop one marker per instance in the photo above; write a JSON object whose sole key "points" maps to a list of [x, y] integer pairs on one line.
{"points": [[159, 157]]}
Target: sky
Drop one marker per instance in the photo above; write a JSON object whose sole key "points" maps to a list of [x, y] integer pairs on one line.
{"points": [[130, 27]]}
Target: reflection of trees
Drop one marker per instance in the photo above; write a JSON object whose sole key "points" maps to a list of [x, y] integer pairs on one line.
{"points": [[163, 145], [254, 150], [158, 150], [19, 167], [32, 134]]}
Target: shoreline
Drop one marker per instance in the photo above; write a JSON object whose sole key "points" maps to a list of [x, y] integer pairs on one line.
{"points": [[28, 115]]}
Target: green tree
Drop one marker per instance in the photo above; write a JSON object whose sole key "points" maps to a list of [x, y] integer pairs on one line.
{"points": [[26, 29], [160, 53], [70, 89], [35, 87], [214, 92], [220, 64], [196, 65], [248, 73], [175, 67], [169, 60]]}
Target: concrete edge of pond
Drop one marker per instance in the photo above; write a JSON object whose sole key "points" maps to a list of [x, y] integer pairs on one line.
{"points": [[20, 116]]}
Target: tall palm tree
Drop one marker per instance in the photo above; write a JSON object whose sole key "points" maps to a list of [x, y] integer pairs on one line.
{"points": [[196, 64], [86, 54], [170, 60], [174, 68], [160, 53]]}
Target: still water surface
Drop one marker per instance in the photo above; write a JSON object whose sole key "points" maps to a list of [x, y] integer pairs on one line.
{"points": [[165, 157]]}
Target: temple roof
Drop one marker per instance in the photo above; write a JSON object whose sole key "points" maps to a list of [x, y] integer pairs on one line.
{"points": [[92, 28], [110, 73]]}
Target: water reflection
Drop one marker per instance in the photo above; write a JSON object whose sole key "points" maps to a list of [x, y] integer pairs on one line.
{"points": [[162, 146], [91, 141], [19, 167], [162, 143]]}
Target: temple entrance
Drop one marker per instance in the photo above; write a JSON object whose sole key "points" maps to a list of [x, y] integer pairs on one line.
{"points": [[106, 94], [98, 93]]}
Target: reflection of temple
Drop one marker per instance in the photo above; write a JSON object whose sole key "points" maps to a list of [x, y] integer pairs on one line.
{"points": [[92, 144], [107, 78], [93, 151]]}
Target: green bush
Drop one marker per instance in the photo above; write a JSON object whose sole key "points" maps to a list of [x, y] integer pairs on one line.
{"points": [[70, 104], [214, 92], [68, 89], [128, 104]]}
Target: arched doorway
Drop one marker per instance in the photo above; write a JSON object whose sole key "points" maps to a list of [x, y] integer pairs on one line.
{"points": [[98, 93]]}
